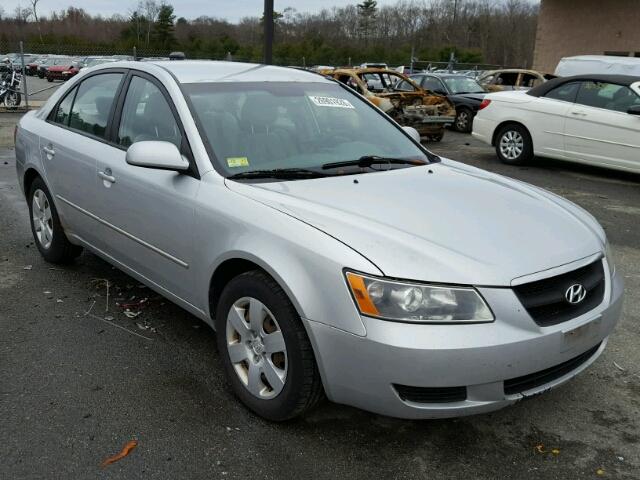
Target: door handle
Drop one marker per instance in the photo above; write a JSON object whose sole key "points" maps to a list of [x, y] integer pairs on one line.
{"points": [[106, 175], [49, 151], [581, 114]]}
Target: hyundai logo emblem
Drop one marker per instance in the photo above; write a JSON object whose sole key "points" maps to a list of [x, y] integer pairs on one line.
{"points": [[575, 293]]}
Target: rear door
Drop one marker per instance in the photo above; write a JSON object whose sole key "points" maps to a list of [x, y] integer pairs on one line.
{"points": [[71, 140], [148, 213], [599, 130]]}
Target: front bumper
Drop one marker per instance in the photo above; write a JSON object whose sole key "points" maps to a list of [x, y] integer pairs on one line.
{"points": [[362, 371]]}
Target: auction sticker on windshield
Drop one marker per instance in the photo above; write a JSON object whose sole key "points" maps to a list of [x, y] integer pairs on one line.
{"points": [[330, 102], [235, 162]]}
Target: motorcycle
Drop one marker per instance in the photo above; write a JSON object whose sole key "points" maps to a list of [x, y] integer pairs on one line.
{"points": [[10, 83]]}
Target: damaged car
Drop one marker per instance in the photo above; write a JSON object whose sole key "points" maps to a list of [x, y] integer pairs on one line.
{"points": [[400, 98], [512, 79]]}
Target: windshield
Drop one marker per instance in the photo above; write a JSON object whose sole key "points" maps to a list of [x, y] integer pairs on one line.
{"points": [[463, 85], [293, 125]]}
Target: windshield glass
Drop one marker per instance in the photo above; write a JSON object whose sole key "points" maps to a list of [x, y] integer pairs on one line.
{"points": [[463, 85], [278, 125]]}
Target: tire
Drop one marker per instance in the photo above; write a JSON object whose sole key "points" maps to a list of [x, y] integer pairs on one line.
{"points": [[302, 388], [54, 245], [463, 121], [49, 79], [437, 137], [514, 145], [12, 99]]}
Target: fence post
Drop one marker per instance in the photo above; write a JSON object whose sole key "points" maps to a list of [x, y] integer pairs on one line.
{"points": [[24, 77], [135, 54], [413, 53]]}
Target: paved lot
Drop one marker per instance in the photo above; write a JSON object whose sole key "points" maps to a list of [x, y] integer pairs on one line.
{"points": [[36, 86], [75, 388]]}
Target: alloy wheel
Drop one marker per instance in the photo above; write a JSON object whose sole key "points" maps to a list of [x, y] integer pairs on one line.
{"points": [[256, 348], [11, 100], [511, 145], [42, 218], [462, 121]]}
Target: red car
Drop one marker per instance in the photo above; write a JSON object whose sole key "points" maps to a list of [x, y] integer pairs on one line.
{"points": [[62, 72]]}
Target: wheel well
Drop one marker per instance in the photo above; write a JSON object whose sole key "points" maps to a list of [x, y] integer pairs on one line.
{"points": [[29, 176], [504, 124], [225, 272]]}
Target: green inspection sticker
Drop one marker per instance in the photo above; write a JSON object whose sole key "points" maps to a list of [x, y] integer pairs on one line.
{"points": [[235, 162]]}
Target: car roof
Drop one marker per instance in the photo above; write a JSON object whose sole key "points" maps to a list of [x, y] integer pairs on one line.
{"points": [[211, 71], [443, 75], [542, 89]]}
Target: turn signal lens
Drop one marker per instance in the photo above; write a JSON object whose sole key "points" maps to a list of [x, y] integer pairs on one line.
{"points": [[361, 295]]}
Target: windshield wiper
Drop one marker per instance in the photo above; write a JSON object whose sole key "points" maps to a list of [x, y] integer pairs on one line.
{"points": [[369, 160], [279, 173]]}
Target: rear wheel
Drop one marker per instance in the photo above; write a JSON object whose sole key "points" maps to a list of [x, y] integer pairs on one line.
{"points": [[265, 350], [45, 225], [514, 145]]}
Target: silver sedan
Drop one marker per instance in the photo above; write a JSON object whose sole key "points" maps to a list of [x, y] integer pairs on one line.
{"points": [[331, 252]]}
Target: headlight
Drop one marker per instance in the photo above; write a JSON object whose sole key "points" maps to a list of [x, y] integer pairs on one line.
{"points": [[608, 253], [415, 302]]}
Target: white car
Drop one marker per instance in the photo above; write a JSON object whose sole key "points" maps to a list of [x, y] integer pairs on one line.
{"points": [[592, 119]]}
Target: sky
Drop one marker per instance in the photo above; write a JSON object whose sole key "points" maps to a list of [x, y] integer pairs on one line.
{"points": [[232, 10]]}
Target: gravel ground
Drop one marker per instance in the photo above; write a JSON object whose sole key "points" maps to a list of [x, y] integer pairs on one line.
{"points": [[74, 387]]}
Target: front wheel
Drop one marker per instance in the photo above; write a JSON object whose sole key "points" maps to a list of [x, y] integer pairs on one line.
{"points": [[265, 350], [46, 228], [463, 121], [514, 145], [12, 99]]}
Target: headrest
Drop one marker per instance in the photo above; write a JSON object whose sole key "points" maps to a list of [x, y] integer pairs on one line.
{"points": [[259, 111]]}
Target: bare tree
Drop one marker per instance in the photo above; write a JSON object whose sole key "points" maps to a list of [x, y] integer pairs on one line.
{"points": [[34, 11], [21, 14], [151, 10]]}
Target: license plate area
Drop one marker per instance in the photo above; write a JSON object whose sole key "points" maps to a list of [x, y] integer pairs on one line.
{"points": [[581, 335]]}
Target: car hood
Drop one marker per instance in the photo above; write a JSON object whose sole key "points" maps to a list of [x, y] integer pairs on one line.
{"points": [[457, 224], [60, 68]]}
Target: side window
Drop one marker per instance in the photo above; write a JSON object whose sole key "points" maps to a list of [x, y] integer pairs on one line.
{"points": [[509, 79], [62, 114], [432, 84], [405, 86], [566, 92], [609, 96], [529, 80], [146, 115], [93, 103]]}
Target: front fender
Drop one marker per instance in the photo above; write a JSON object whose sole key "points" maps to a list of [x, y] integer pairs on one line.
{"points": [[306, 262]]}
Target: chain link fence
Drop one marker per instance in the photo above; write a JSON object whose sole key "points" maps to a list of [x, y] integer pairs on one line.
{"points": [[31, 59]]}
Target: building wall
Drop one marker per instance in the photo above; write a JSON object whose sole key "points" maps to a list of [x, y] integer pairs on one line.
{"points": [[585, 27]]}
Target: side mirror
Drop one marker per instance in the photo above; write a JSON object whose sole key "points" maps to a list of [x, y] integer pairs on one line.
{"points": [[154, 154], [413, 133], [634, 110]]}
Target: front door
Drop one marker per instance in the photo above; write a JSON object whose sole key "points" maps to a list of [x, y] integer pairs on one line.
{"points": [[599, 130], [148, 213]]}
